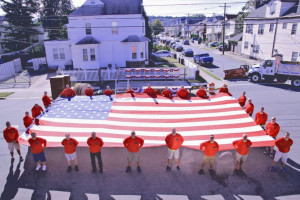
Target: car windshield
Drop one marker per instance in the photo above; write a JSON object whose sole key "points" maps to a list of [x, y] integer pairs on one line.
{"points": [[204, 55]]}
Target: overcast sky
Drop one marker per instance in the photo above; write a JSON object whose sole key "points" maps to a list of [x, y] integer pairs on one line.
{"points": [[207, 7]]}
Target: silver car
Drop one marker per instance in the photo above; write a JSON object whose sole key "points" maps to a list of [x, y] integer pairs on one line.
{"points": [[163, 53]]}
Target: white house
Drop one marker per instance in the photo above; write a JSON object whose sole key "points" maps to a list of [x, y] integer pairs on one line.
{"points": [[102, 33], [271, 29]]}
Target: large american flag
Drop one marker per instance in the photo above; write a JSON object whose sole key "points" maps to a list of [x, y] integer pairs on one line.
{"points": [[151, 118]]}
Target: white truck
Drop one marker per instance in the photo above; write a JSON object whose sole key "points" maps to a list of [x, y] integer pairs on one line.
{"points": [[273, 69]]}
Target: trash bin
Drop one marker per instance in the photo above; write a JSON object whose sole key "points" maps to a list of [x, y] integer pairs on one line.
{"points": [[175, 55], [179, 60], [182, 61], [197, 74]]}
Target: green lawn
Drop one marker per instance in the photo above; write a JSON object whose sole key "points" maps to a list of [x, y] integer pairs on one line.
{"points": [[168, 62], [5, 94]]}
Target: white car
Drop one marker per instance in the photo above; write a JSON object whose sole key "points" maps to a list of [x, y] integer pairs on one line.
{"points": [[163, 53]]}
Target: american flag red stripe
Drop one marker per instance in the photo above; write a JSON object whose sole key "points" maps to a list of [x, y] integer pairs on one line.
{"points": [[152, 119]]}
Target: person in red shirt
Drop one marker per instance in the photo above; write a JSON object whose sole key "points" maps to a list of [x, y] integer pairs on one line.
{"points": [[89, 92], [167, 93], [261, 118], [272, 129], [27, 120], [108, 92], [224, 89], [68, 93], [210, 149], [283, 144], [150, 91], [183, 93], [95, 144], [174, 141], [133, 145], [242, 149], [46, 100], [242, 99], [36, 111], [249, 108], [11, 136], [37, 146], [202, 93], [70, 145]]}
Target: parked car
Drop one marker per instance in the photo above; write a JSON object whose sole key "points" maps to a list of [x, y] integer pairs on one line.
{"points": [[185, 42], [188, 52], [163, 53], [214, 44], [178, 48], [225, 46], [177, 40], [194, 39], [168, 42], [203, 59], [174, 45]]}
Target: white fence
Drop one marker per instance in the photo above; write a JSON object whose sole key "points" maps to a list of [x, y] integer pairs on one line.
{"points": [[9, 69], [37, 61]]}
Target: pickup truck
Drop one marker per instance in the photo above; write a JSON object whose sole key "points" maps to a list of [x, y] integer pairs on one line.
{"points": [[203, 59], [274, 69]]}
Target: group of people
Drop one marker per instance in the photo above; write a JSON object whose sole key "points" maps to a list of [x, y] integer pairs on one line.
{"points": [[133, 143]]}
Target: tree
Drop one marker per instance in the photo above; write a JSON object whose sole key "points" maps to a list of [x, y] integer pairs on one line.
{"points": [[19, 31], [148, 30], [157, 27], [251, 4], [54, 17]]}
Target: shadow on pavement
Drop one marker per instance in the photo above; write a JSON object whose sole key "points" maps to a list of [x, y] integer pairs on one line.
{"points": [[255, 180], [210, 66]]}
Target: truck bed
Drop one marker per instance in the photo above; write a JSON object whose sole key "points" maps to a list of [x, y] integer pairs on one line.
{"points": [[288, 69]]}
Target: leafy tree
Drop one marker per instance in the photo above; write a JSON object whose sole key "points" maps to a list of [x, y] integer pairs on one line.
{"points": [[148, 30], [157, 27], [250, 5], [19, 30]]}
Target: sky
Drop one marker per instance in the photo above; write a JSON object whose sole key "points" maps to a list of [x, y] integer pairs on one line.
{"points": [[207, 7]]}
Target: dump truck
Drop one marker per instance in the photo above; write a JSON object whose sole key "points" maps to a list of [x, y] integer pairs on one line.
{"points": [[275, 70]]}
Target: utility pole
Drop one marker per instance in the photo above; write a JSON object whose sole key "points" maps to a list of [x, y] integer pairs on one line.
{"points": [[225, 6], [274, 39]]}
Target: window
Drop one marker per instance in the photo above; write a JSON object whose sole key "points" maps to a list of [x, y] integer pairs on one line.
{"points": [[114, 27], [294, 29], [92, 54], [143, 27], [294, 56], [227, 25], [55, 54], [246, 44], [142, 54], [133, 49], [261, 28], [62, 53], [271, 28], [273, 9], [284, 25], [256, 49], [85, 55], [59, 53], [88, 29], [249, 28]]}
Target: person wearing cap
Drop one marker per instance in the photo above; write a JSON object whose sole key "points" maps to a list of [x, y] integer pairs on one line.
{"points": [[272, 129], [27, 120], [210, 149], [167, 93], [36, 111], [67, 93], [70, 145], [202, 93], [242, 100], [89, 92], [261, 118], [46, 100], [11, 136], [37, 146], [284, 145], [249, 108], [224, 89], [95, 144], [242, 149], [174, 141], [150, 91], [183, 93], [133, 144]]}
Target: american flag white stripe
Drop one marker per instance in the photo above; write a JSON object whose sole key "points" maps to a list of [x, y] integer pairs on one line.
{"points": [[152, 119]]}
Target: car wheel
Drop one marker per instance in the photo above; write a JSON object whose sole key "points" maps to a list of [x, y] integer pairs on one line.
{"points": [[296, 82], [255, 78]]}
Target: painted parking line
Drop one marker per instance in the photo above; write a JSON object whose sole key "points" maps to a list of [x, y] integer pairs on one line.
{"points": [[288, 197], [172, 197], [248, 197], [92, 196], [61, 195], [126, 197], [23, 194], [213, 197]]}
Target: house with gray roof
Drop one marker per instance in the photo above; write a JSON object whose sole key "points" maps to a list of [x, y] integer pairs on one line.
{"points": [[272, 29], [102, 33]]}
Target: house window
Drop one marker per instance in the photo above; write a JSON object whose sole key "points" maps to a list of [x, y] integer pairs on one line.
{"points": [[261, 28], [249, 28], [143, 27], [62, 53], [246, 44], [294, 56], [85, 55], [134, 55], [256, 49], [92, 54], [273, 9], [88, 29], [271, 28], [142, 54], [284, 25], [114, 27], [294, 29], [55, 54], [59, 53]]}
